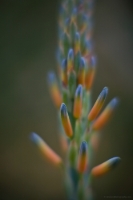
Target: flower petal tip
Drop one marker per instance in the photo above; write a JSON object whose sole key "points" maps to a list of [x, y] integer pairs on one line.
{"points": [[104, 93], [82, 63], [77, 36], [114, 102], [83, 147], [51, 77], [63, 109], [34, 137], [64, 64], [114, 161], [70, 54], [78, 92], [83, 157]]}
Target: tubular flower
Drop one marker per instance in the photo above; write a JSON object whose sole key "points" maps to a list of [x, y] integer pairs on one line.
{"points": [[66, 121], [83, 157], [78, 102], [105, 115], [105, 167], [46, 150], [98, 104]]}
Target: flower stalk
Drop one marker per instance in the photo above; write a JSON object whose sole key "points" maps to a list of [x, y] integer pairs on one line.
{"points": [[78, 119]]}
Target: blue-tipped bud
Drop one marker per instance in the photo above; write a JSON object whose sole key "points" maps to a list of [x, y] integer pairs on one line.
{"points": [[70, 54], [105, 115], [98, 104], [83, 157], [35, 138], [54, 89], [79, 91], [102, 96], [64, 64], [45, 149], [105, 167], [70, 60], [63, 109], [114, 103], [77, 37], [83, 148], [114, 161], [82, 62], [77, 110], [51, 77], [66, 121], [90, 73]]}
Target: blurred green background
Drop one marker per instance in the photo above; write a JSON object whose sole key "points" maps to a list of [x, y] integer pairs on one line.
{"points": [[28, 40]]}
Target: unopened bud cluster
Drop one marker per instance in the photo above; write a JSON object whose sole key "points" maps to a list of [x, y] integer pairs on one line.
{"points": [[71, 94]]}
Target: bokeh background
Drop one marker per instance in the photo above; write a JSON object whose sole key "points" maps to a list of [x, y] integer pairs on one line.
{"points": [[28, 40]]}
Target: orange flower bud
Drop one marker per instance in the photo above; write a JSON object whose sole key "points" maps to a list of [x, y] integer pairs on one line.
{"points": [[66, 121]]}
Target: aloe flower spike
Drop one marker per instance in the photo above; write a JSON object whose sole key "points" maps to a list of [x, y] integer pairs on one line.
{"points": [[77, 68]]}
